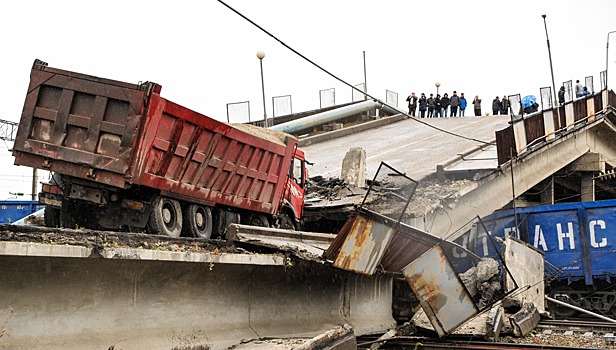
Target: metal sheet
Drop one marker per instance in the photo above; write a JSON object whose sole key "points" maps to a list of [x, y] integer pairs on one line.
{"points": [[363, 246], [441, 293]]}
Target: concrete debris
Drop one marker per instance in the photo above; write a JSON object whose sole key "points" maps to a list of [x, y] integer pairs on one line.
{"points": [[482, 280], [339, 338], [382, 339], [495, 323], [525, 320], [353, 170]]}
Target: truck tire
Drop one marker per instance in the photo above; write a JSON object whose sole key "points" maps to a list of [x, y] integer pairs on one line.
{"points": [[286, 222], [165, 217], [197, 221], [258, 220], [51, 216]]}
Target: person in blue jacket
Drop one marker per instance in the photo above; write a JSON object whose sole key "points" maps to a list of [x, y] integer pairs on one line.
{"points": [[462, 104]]}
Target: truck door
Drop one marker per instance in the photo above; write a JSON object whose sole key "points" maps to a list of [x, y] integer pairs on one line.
{"points": [[296, 184]]}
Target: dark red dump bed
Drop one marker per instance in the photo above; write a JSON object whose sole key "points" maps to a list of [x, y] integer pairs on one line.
{"points": [[122, 134]]}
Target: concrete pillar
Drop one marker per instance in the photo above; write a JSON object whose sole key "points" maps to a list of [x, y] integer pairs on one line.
{"points": [[588, 187], [353, 170], [547, 196]]}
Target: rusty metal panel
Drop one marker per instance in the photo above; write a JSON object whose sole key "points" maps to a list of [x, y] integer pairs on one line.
{"points": [[505, 141], [548, 124], [579, 106], [363, 245], [519, 132], [569, 116], [441, 292], [534, 128], [407, 244], [590, 109], [76, 123]]}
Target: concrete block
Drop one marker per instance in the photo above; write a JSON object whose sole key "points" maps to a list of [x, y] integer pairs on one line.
{"points": [[526, 265], [547, 332], [568, 334], [609, 337], [525, 320], [495, 322], [353, 170], [588, 335]]}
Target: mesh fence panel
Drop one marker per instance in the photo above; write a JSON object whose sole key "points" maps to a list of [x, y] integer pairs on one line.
{"points": [[357, 95], [238, 112], [516, 104], [282, 105], [327, 98], [546, 98], [589, 86], [568, 90], [391, 98]]}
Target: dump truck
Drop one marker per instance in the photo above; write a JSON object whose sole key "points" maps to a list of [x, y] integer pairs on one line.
{"points": [[125, 158]]}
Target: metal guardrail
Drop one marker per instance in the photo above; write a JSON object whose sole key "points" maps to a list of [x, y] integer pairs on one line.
{"points": [[533, 129]]}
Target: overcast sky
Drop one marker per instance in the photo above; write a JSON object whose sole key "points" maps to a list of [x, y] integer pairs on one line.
{"points": [[204, 55]]}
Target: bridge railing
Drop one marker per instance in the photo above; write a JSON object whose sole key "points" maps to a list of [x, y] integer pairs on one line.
{"points": [[527, 132]]}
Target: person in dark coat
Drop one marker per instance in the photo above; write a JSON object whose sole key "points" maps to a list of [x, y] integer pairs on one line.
{"points": [[437, 106], [412, 100], [496, 106], [504, 108], [423, 105], [561, 96], [455, 102], [445, 101], [431, 105]]}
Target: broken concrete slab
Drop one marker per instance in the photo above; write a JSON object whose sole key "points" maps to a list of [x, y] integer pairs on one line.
{"points": [[526, 265], [525, 320], [339, 338], [353, 170], [495, 323]]}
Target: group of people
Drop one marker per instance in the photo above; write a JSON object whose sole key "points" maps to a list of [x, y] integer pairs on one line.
{"points": [[439, 107]]}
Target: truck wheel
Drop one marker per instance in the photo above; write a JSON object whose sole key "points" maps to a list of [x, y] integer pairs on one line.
{"points": [[165, 217], [285, 221], [51, 216], [197, 221], [258, 220]]}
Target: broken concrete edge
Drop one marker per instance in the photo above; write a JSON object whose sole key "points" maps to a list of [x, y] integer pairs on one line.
{"points": [[341, 337], [350, 130], [73, 251], [440, 168], [235, 230]]}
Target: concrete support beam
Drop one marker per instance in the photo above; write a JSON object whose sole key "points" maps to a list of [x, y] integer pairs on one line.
{"points": [[547, 195], [526, 265], [591, 161], [52, 302], [588, 187]]}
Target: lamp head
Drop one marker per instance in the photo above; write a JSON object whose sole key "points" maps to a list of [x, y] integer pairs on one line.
{"points": [[260, 55]]}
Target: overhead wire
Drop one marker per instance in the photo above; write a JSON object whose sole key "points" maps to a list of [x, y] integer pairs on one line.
{"points": [[351, 85]]}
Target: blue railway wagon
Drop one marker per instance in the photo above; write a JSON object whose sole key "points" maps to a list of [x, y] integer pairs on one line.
{"points": [[578, 239], [11, 211]]}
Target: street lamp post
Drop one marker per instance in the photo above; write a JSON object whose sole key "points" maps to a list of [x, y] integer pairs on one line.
{"points": [[437, 84], [607, 51], [260, 56], [552, 72]]}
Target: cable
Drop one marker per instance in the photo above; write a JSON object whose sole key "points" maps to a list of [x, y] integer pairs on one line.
{"points": [[350, 85]]}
